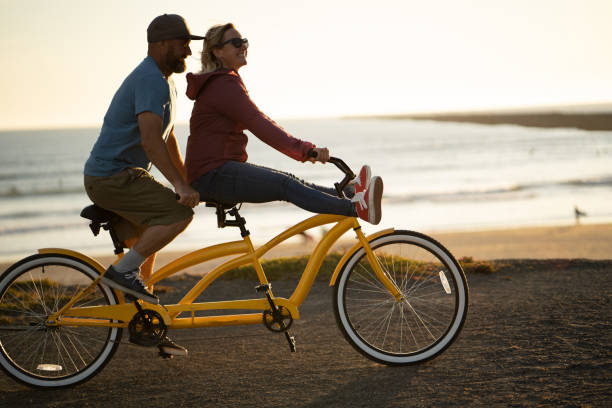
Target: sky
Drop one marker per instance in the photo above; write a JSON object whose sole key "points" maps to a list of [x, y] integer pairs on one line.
{"points": [[63, 60]]}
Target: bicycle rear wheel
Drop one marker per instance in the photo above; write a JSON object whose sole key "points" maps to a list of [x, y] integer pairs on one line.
{"points": [[428, 317], [51, 356]]}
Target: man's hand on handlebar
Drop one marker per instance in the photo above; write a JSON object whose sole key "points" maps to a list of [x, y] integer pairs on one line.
{"points": [[187, 195], [319, 154]]}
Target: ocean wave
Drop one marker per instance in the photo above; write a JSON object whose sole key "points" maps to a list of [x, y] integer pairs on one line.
{"points": [[14, 191], [39, 228], [512, 192], [14, 215], [38, 174]]}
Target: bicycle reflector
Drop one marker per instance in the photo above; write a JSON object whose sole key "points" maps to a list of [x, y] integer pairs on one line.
{"points": [[445, 284], [49, 367]]}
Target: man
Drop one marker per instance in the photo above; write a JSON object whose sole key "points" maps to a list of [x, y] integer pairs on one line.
{"points": [[138, 130]]}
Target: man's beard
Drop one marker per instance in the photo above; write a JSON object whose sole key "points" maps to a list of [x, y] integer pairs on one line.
{"points": [[176, 64]]}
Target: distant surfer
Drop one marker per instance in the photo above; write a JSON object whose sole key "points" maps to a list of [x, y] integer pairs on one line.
{"points": [[578, 213]]}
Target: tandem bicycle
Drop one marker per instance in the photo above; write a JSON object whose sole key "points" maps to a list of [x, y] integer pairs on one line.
{"points": [[399, 298]]}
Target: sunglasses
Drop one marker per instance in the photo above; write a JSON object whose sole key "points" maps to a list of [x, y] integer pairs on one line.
{"points": [[236, 42]]}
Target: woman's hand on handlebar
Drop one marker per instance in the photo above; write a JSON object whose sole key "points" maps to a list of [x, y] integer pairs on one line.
{"points": [[319, 154]]}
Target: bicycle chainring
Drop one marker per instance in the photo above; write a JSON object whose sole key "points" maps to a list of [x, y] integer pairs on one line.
{"points": [[277, 321], [147, 328]]}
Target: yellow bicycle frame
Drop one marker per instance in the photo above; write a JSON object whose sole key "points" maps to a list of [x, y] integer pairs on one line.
{"points": [[120, 315]]}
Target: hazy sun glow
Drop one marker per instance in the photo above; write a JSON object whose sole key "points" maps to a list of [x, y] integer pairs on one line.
{"points": [[63, 60]]}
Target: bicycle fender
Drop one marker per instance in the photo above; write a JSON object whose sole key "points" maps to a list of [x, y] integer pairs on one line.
{"points": [[74, 254], [354, 249]]}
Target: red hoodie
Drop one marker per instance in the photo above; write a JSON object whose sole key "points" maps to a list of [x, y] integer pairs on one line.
{"points": [[222, 110]]}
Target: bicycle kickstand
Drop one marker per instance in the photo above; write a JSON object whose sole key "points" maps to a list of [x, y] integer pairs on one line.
{"points": [[277, 316]]}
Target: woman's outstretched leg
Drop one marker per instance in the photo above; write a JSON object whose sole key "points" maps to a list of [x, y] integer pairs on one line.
{"points": [[235, 182]]}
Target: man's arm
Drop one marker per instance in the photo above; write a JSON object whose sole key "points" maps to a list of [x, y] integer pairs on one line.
{"points": [[175, 154], [150, 126]]}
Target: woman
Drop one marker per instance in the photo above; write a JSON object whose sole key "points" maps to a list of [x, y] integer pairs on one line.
{"points": [[216, 158]]}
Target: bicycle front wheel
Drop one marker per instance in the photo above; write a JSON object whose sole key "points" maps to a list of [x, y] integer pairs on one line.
{"points": [[41, 355], [420, 325]]}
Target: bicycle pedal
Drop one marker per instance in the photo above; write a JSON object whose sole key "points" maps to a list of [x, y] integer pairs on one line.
{"points": [[291, 341], [164, 355]]}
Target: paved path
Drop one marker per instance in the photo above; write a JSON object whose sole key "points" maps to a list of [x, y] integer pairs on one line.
{"points": [[536, 334]]}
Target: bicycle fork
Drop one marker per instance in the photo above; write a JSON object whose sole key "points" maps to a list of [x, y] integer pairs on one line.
{"points": [[384, 277]]}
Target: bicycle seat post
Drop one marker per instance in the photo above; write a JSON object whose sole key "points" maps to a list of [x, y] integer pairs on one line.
{"points": [[223, 210], [238, 221], [105, 219]]}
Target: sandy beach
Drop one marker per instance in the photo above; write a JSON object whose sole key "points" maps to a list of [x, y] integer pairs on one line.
{"points": [[560, 242]]}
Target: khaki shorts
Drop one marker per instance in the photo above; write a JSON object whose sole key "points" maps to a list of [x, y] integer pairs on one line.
{"points": [[138, 198]]}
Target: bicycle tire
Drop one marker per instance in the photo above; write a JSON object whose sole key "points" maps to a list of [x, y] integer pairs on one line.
{"points": [[429, 316], [51, 357]]}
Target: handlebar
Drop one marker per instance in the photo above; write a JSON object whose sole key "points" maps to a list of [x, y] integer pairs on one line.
{"points": [[344, 168]]}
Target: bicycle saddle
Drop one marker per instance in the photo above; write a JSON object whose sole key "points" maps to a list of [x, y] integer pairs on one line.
{"points": [[97, 214]]}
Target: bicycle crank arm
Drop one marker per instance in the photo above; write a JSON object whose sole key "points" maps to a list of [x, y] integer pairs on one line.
{"points": [[277, 316]]}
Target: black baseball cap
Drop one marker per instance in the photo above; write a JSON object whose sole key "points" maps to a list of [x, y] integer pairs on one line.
{"points": [[169, 27]]}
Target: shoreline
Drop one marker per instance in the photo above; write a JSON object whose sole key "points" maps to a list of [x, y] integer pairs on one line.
{"points": [[585, 241], [588, 241], [601, 121]]}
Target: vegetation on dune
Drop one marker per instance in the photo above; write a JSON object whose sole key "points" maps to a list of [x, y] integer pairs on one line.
{"points": [[469, 265], [285, 268], [293, 267]]}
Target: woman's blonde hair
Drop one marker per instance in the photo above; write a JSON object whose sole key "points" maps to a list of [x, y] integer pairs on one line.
{"points": [[213, 38]]}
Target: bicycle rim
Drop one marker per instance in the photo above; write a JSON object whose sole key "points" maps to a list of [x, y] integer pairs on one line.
{"points": [[430, 313], [43, 356]]}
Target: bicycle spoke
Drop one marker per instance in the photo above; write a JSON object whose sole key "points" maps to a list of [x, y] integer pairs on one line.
{"points": [[71, 343], [430, 319], [408, 326], [85, 335], [365, 311], [83, 347], [27, 333], [374, 325], [370, 277], [26, 309]]}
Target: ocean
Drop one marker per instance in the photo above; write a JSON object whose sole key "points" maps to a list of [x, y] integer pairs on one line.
{"points": [[438, 177]]}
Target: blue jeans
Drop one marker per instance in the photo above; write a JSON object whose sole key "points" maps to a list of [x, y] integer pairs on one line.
{"points": [[237, 182]]}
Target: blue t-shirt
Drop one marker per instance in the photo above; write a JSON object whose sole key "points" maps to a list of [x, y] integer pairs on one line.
{"points": [[119, 144]]}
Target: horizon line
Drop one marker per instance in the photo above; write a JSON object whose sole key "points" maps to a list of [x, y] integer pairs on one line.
{"points": [[533, 109]]}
